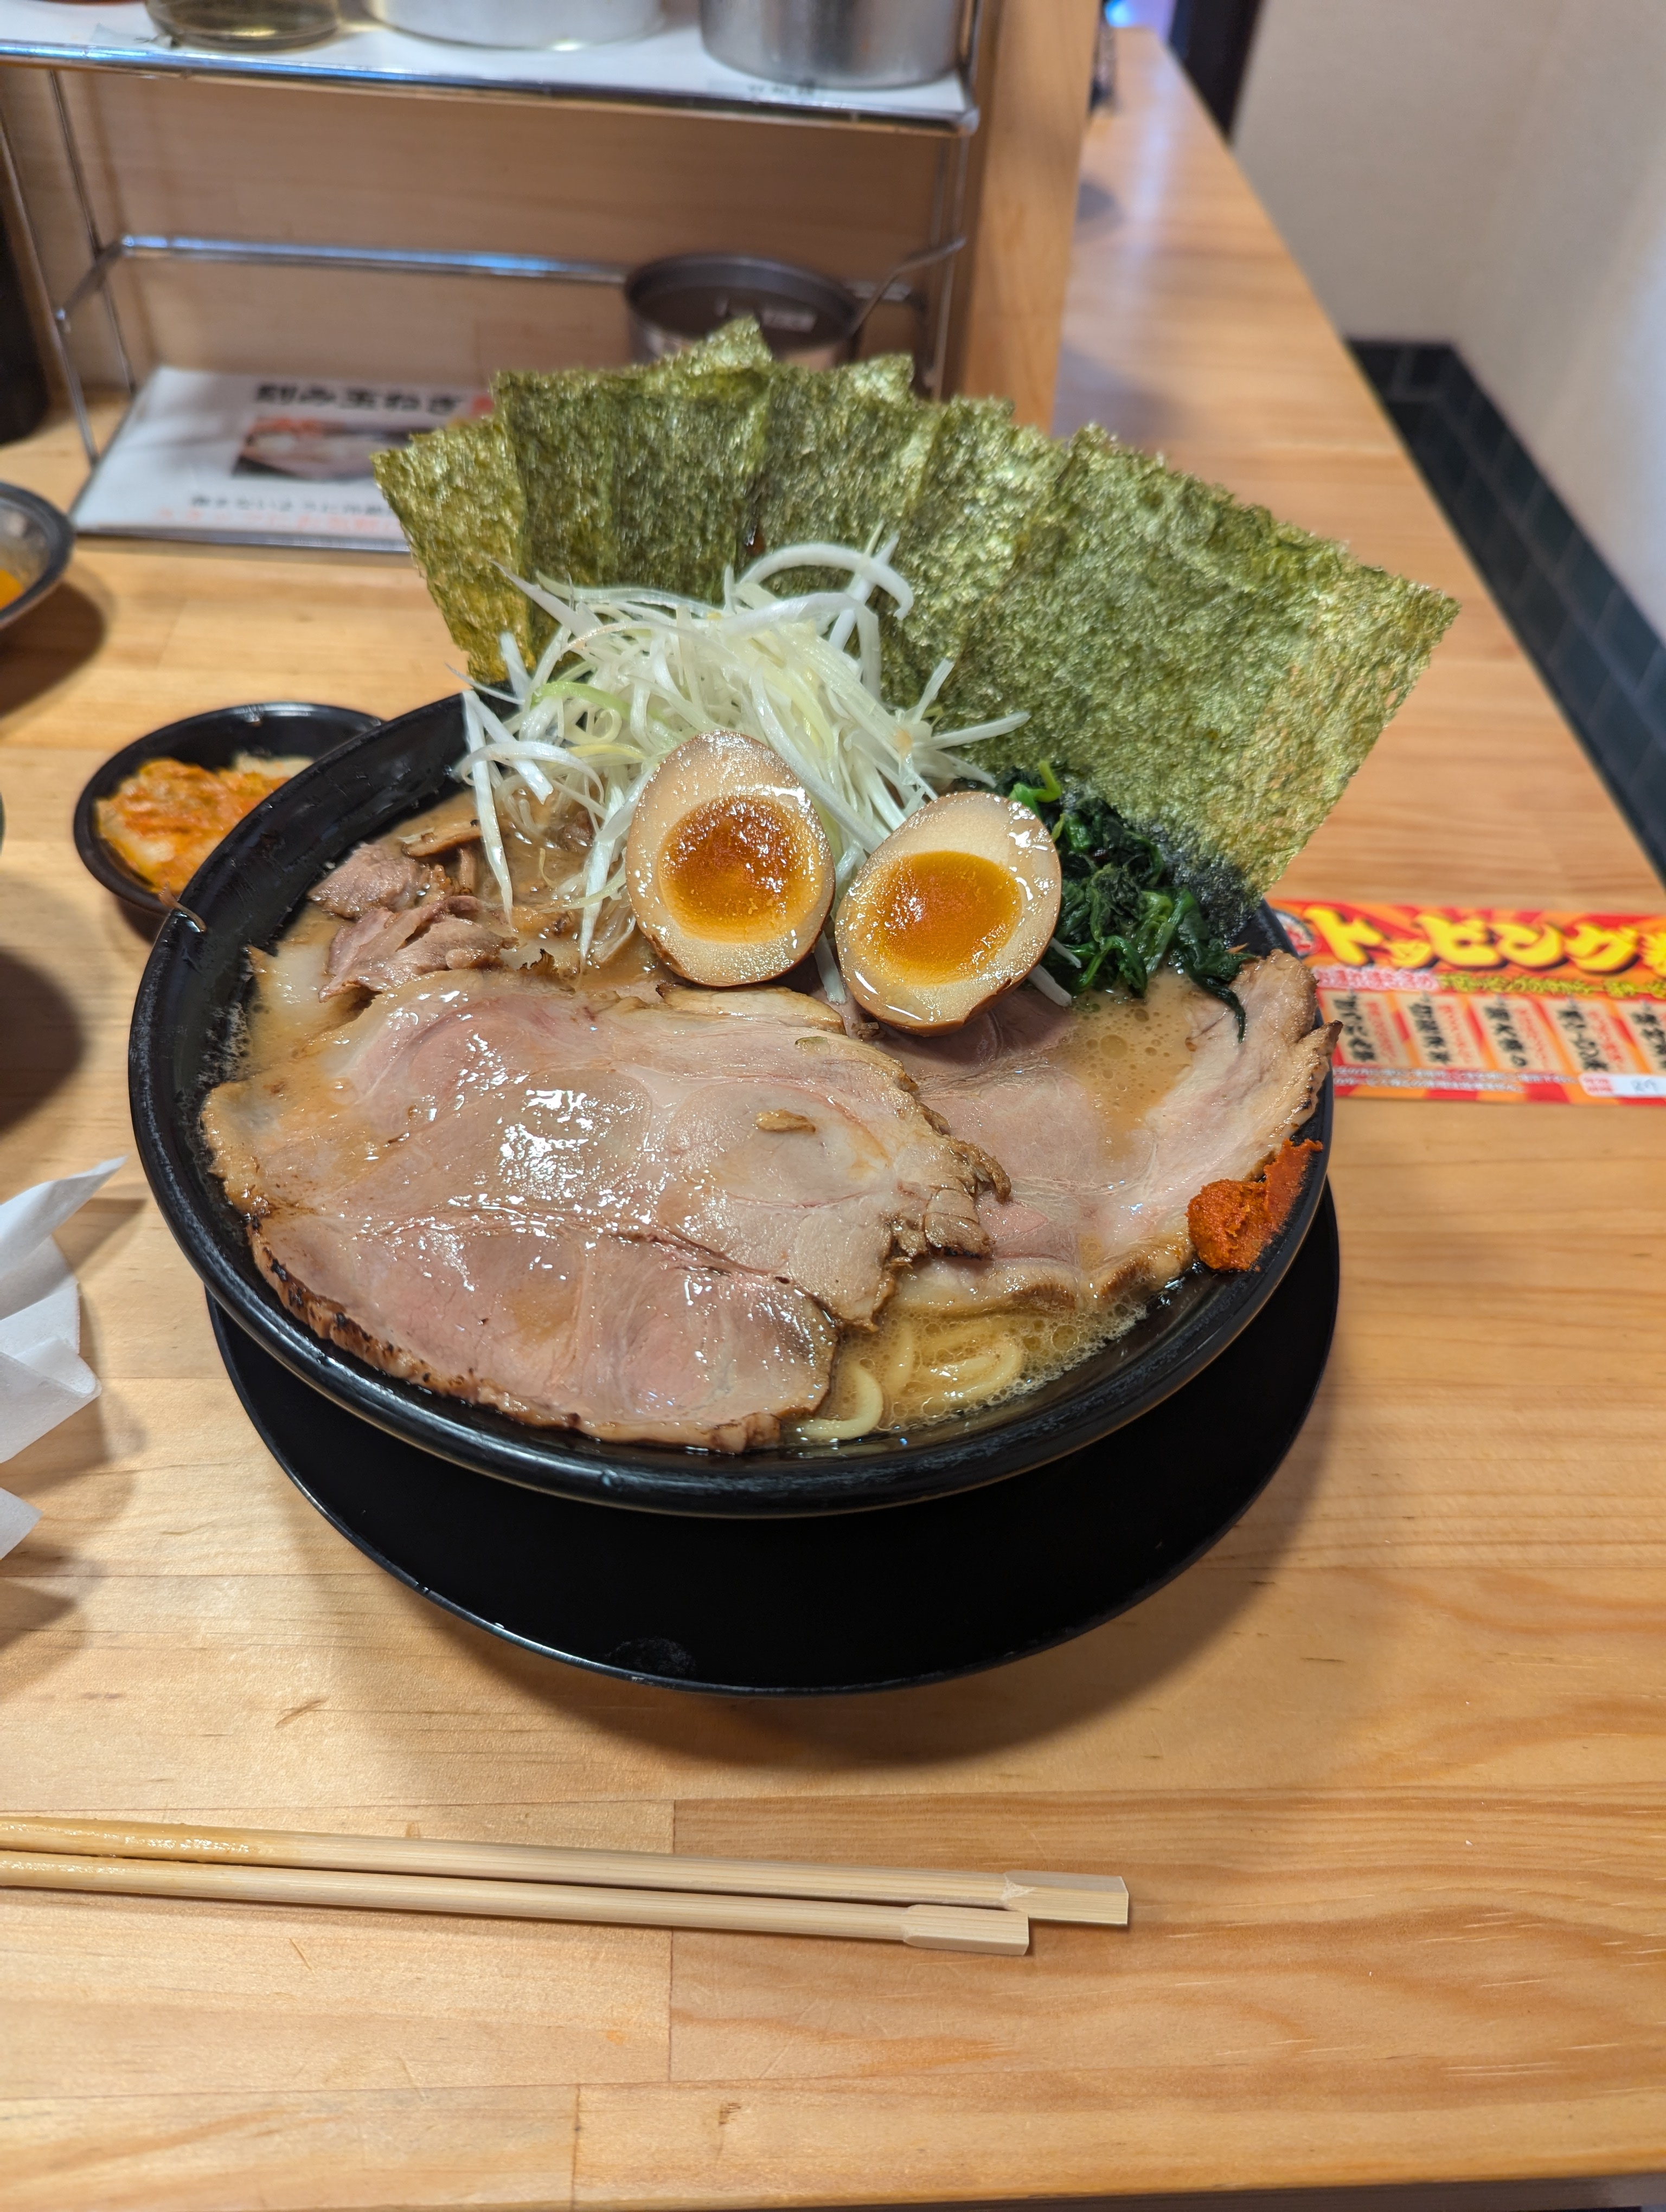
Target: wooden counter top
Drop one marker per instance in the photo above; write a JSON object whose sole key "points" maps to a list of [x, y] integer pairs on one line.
{"points": [[1386, 1772]]}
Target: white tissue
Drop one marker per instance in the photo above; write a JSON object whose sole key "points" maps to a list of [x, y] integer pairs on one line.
{"points": [[43, 1378], [16, 1519]]}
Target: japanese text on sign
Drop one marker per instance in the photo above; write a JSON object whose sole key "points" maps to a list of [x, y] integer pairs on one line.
{"points": [[1504, 1005]]}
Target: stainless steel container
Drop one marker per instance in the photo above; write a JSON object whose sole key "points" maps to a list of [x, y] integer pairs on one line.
{"points": [[521, 22], [871, 43], [804, 318]]}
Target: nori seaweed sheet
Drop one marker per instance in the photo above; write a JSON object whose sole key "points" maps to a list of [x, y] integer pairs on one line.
{"points": [[688, 451], [984, 475], [560, 482], [458, 495], [565, 429], [1216, 675], [844, 450], [642, 476], [739, 344]]}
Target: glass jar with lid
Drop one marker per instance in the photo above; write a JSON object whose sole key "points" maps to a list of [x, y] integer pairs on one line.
{"points": [[247, 27]]}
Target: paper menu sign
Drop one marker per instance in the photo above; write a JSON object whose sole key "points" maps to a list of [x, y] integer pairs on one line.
{"points": [[257, 458], [1506, 1004]]}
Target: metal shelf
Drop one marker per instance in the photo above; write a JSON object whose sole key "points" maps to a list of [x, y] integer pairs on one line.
{"points": [[668, 68]]}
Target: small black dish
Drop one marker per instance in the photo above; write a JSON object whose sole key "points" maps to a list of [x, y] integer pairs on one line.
{"points": [[36, 542], [212, 741], [804, 1607], [183, 1024]]}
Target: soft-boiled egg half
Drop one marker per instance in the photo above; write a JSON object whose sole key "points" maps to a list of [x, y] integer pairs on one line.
{"points": [[955, 908], [727, 866]]}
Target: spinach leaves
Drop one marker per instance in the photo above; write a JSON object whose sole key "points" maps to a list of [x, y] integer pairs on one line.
{"points": [[1122, 917]]}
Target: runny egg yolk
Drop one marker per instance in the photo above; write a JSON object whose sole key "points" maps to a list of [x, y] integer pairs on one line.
{"points": [[735, 869], [937, 916]]}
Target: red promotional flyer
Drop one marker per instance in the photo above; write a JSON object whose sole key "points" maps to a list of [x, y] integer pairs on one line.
{"points": [[1506, 1004]]}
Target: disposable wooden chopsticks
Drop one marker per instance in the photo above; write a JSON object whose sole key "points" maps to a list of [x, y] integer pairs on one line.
{"points": [[927, 1927], [975, 1912], [1100, 1900]]}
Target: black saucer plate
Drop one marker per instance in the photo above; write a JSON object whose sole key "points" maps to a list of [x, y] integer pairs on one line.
{"points": [[838, 1602]]}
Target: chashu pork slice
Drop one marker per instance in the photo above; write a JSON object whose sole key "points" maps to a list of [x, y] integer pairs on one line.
{"points": [[640, 1217], [630, 1340], [1110, 1119]]}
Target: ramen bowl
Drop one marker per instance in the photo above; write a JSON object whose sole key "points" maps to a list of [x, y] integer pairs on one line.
{"points": [[184, 1035]]}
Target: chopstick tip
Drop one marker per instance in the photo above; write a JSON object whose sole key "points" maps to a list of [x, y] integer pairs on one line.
{"points": [[1095, 1900], [996, 1933]]}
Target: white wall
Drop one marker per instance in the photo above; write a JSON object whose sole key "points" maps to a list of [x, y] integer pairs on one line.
{"points": [[1492, 172]]}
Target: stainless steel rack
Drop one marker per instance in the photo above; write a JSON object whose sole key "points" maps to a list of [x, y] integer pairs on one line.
{"points": [[668, 70]]}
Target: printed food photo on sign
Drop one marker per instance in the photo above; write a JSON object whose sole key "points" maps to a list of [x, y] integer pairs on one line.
{"points": [[1510, 1004]]}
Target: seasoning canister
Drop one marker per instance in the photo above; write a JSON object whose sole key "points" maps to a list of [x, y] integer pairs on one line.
{"points": [[806, 318], [873, 44]]}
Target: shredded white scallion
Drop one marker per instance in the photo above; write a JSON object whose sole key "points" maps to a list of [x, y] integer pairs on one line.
{"points": [[1044, 983], [562, 751], [827, 966], [479, 768]]}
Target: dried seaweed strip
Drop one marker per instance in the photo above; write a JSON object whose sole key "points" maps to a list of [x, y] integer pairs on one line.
{"points": [[712, 400], [985, 477], [688, 450], [845, 448], [739, 344], [565, 429], [458, 495], [584, 442], [1217, 676]]}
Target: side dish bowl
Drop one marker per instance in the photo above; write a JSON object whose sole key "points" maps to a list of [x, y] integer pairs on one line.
{"points": [[36, 541], [183, 1036], [213, 741]]}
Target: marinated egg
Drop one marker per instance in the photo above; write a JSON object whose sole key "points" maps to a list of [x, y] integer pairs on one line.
{"points": [[727, 866], [955, 908]]}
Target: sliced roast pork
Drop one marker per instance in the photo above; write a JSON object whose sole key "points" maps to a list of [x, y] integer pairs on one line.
{"points": [[624, 1338], [1110, 1119], [379, 874], [383, 947], [402, 919], [639, 1216]]}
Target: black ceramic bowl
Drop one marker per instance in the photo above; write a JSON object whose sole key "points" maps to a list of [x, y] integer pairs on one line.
{"points": [[246, 892], [36, 542], [212, 741]]}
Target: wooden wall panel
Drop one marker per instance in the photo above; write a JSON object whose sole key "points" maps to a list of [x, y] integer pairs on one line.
{"points": [[520, 177], [1034, 93]]}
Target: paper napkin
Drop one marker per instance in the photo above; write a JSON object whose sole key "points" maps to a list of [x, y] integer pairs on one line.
{"points": [[43, 1378]]}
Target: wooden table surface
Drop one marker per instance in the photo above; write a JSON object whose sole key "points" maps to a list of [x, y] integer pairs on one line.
{"points": [[1386, 1772]]}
